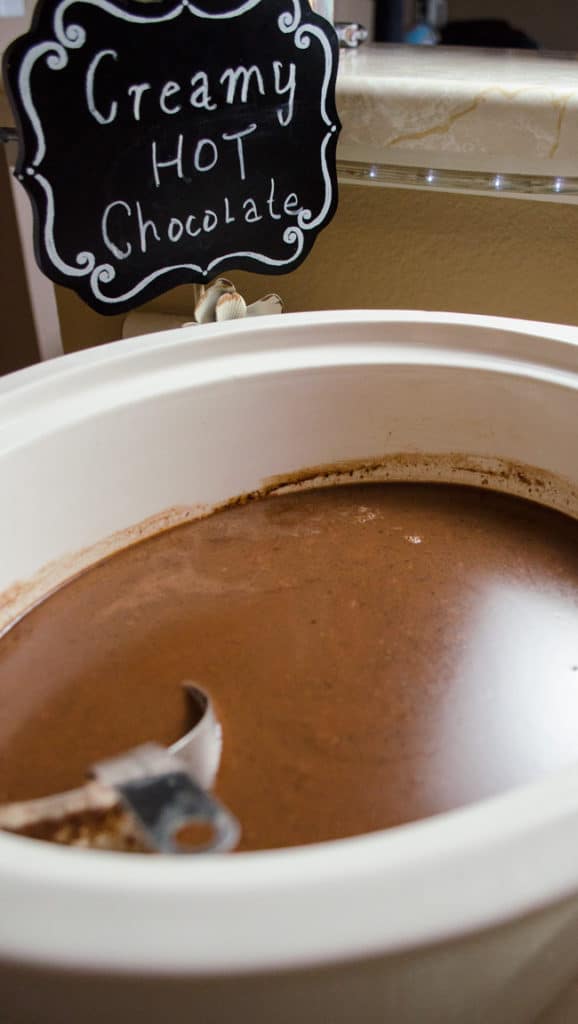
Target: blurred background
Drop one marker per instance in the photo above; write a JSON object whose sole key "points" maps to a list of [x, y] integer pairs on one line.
{"points": [[389, 247], [512, 24]]}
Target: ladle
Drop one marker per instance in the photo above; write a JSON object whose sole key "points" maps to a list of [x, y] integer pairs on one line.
{"points": [[141, 799]]}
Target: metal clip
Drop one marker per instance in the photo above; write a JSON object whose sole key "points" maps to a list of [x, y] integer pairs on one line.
{"points": [[157, 788], [142, 798]]}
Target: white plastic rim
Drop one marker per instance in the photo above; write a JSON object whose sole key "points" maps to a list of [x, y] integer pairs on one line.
{"points": [[483, 386]]}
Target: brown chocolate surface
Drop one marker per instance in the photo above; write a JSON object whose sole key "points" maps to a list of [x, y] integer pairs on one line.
{"points": [[376, 653]]}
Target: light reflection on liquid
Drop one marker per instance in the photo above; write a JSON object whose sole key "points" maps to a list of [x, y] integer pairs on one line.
{"points": [[514, 694]]}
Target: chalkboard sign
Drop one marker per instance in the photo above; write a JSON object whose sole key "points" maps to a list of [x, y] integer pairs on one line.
{"points": [[165, 143]]}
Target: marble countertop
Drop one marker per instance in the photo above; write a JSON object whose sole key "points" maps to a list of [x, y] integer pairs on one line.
{"points": [[506, 112], [461, 112]]}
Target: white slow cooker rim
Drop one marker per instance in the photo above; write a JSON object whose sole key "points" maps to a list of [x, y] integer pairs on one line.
{"points": [[474, 868]]}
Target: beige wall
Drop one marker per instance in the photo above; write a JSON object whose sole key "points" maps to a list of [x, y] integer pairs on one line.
{"points": [[355, 10], [10, 28], [397, 248]]}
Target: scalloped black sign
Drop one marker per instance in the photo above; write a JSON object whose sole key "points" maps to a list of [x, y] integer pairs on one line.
{"points": [[165, 143]]}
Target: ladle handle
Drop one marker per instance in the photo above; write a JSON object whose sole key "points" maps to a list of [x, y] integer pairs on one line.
{"points": [[162, 796]]}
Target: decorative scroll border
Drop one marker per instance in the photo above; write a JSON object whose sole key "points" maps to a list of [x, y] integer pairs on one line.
{"points": [[73, 37]]}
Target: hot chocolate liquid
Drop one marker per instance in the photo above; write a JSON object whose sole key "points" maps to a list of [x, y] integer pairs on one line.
{"points": [[377, 653]]}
